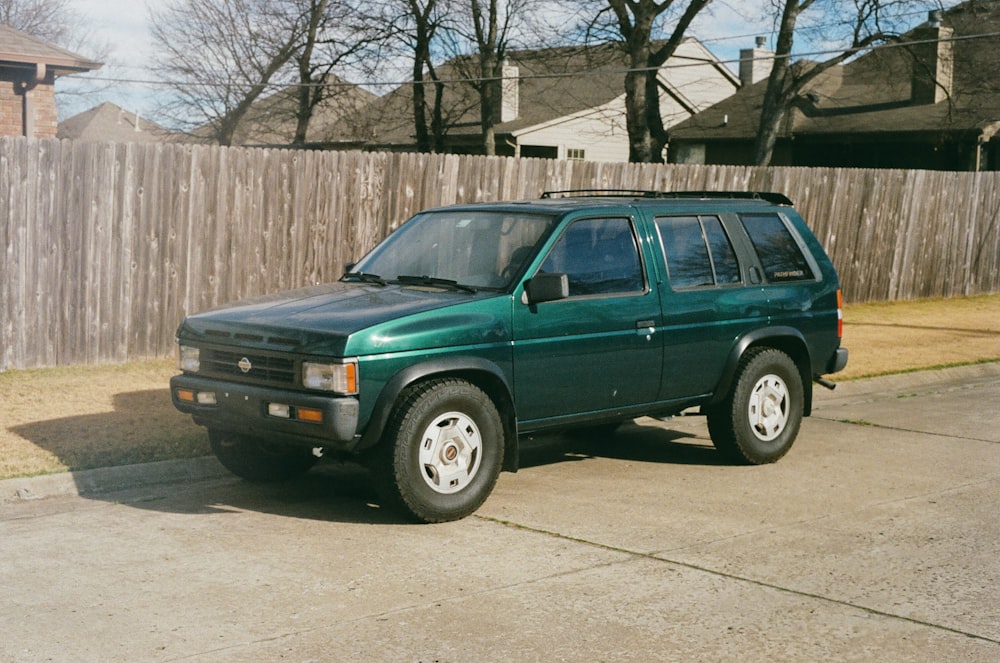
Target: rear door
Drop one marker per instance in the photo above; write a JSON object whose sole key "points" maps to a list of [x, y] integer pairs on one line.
{"points": [[597, 350], [712, 299]]}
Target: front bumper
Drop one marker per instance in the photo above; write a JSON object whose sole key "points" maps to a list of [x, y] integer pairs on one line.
{"points": [[243, 409]]}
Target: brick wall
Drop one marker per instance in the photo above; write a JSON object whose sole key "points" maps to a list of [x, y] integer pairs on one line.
{"points": [[41, 100]]}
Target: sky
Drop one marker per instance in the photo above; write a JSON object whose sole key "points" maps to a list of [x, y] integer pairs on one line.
{"points": [[123, 26], [725, 27]]}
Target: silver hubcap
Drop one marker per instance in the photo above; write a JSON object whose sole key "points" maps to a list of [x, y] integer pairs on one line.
{"points": [[768, 407], [450, 452]]}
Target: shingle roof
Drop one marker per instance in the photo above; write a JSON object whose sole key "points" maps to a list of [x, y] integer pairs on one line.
{"points": [[18, 48], [110, 123], [554, 83], [272, 119], [873, 93]]}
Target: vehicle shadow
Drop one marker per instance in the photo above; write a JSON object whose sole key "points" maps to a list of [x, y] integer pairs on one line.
{"points": [[633, 441], [145, 428]]}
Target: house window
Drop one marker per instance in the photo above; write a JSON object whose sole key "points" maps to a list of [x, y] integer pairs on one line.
{"points": [[575, 153], [693, 153], [539, 152]]}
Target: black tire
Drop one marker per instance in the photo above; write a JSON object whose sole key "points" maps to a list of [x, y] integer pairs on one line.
{"points": [[760, 418], [442, 451], [256, 459]]}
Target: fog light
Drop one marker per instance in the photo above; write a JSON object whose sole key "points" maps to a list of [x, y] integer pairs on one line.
{"points": [[207, 398], [279, 410]]}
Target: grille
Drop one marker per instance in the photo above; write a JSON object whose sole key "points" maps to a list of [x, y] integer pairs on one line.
{"points": [[264, 368]]}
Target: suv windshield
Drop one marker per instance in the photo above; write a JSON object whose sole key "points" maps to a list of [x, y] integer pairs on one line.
{"points": [[481, 249]]}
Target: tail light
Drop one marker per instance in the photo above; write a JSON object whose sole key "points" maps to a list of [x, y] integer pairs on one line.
{"points": [[840, 314]]}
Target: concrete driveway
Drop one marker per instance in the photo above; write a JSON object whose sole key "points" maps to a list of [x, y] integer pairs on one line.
{"points": [[875, 539]]}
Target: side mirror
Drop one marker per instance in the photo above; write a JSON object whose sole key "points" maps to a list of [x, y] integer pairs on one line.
{"points": [[547, 288]]}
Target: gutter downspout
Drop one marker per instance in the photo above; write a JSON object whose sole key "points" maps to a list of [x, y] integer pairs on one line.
{"points": [[27, 107], [987, 132]]}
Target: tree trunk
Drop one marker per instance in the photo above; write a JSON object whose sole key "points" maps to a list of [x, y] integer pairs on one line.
{"points": [[779, 86], [421, 58], [488, 103]]}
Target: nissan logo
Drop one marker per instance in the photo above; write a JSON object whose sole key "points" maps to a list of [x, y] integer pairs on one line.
{"points": [[244, 365]]}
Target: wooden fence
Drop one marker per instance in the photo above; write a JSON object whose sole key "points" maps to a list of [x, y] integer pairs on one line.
{"points": [[105, 247]]}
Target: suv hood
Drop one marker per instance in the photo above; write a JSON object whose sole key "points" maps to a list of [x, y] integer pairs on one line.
{"points": [[318, 319]]}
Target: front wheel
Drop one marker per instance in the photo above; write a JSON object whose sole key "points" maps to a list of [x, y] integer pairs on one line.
{"points": [[256, 459], [759, 420], [442, 451]]}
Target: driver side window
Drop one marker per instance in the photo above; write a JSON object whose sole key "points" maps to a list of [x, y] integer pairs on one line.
{"points": [[599, 256]]}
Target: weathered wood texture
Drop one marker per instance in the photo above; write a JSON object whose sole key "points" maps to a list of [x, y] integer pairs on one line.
{"points": [[105, 247]]}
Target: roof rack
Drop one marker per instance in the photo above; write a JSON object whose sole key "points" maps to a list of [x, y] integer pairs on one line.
{"points": [[768, 196]]}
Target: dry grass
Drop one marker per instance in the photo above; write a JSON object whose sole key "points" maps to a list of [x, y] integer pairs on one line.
{"points": [[92, 416], [82, 417], [906, 336]]}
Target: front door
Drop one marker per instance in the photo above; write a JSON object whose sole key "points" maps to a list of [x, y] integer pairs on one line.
{"points": [[598, 349]]}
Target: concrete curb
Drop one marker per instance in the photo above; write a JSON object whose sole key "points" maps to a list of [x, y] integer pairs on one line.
{"points": [[891, 386], [107, 479]]}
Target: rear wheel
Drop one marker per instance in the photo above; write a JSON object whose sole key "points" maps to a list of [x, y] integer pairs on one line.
{"points": [[256, 459], [442, 451], [759, 420]]}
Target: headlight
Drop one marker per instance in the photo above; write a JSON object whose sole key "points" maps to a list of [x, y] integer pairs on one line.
{"points": [[339, 378], [188, 358]]}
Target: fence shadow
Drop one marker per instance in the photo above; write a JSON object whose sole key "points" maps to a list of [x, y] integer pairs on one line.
{"points": [[142, 427]]}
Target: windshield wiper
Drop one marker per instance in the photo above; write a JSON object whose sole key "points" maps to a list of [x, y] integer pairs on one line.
{"points": [[434, 281], [364, 277]]}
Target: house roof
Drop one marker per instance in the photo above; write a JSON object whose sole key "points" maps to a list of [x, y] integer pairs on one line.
{"points": [[19, 49], [553, 83], [110, 123], [872, 95], [271, 120]]}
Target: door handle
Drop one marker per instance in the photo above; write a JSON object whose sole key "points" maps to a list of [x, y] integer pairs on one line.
{"points": [[645, 327]]}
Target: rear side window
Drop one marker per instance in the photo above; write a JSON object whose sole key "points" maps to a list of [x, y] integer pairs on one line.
{"points": [[698, 252], [776, 248]]}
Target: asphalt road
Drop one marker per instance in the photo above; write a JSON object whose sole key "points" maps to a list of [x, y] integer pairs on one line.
{"points": [[875, 539]]}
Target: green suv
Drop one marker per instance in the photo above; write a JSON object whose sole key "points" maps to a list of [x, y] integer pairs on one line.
{"points": [[473, 324]]}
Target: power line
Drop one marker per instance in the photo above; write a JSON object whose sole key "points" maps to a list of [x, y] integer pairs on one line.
{"points": [[691, 62]]}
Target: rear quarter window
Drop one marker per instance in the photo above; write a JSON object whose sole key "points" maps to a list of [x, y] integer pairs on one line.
{"points": [[697, 251], [779, 253]]}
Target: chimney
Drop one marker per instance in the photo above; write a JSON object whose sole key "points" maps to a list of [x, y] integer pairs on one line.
{"points": [[510, 88], [755, 63], [933, 61]]}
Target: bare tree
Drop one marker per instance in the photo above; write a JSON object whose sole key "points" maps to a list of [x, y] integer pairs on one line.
{"points": [[491, 31], [335, 34], [426, 22], [637, 22], [868, 23], [220, 56], [491, 28], [413, 29], [51, 20]]}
